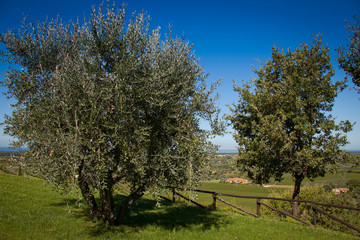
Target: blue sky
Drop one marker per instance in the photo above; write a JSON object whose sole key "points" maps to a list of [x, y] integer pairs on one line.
{"points": [[228, 37]]}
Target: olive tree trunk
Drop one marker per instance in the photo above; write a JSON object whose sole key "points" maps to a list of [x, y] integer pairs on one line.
{"points": [[124, 207], [298, 179], [86, 192]]}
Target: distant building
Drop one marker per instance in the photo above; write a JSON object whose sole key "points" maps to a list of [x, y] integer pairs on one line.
{"points": [[340, 190], [237, 180]]}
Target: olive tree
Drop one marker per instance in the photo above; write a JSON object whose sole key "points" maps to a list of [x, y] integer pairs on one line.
{"points": [[282, 122], [108, 101], [349, 58]]}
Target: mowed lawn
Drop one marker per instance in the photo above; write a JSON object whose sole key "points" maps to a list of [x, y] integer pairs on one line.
{"points": [[31, 209]]}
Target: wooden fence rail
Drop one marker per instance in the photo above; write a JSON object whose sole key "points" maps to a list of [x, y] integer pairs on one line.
{"points": [[314, 206], [7, 169]]}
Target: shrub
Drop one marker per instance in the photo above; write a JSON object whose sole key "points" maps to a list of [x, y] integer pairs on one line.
{"points": [[354, 186], [318, 194]]}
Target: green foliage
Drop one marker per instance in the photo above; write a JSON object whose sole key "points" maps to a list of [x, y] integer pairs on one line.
{"points": [[349, 57], [281, 121], [353, 184], [108, 101], [318, 193], [354, 187]]}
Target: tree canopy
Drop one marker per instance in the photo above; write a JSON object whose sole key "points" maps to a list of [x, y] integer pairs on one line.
{"points": [[108, 101], [349, 57], [282, 122]]}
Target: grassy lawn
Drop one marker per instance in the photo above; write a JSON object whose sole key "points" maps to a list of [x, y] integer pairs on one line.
{"points": [[30, 209]]}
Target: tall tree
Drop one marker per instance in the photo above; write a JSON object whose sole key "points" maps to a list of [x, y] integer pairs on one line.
{"points": [[108, 101], [281, 121], [349, 57]]}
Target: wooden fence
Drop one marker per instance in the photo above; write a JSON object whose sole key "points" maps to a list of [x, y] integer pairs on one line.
{"points": [[10, 166], [314, 206], [216, 197]]}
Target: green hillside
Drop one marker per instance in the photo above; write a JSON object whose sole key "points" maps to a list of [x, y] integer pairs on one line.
{"points": [[31, 209]]}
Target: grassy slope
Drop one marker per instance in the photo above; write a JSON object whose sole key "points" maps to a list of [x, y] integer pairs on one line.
{"points": [[29, 209]]}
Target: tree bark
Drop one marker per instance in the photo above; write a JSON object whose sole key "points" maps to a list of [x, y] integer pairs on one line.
{"points": [[88, 196], [124, 207], [107, 205], [86, 192], [298, 179], [107, 201]]}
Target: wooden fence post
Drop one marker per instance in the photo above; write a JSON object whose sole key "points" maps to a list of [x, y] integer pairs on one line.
{"points": [[173, 190], [314, 213], [314, 205], [258, 205], [214, 201]]}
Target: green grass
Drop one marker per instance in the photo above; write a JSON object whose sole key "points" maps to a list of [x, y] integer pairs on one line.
{"points": [[235, 189], [30, 209]]}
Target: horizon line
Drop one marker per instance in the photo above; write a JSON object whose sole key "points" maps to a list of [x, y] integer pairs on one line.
{"points": [[221, 150]]}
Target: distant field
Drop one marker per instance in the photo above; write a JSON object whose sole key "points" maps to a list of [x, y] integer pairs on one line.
{"points": [[355, 152], [223, 165], [338, 179], [235, 189]]}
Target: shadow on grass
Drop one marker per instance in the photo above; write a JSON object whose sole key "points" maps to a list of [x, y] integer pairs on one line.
{"points": [[169, 216], [66, 202]]}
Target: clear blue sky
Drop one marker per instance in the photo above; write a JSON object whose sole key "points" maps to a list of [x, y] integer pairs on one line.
{"points": [[228, 36]]}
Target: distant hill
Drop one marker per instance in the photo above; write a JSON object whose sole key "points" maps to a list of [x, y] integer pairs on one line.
{"points": [[7, 149], [227, 151], [356, 152]]}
